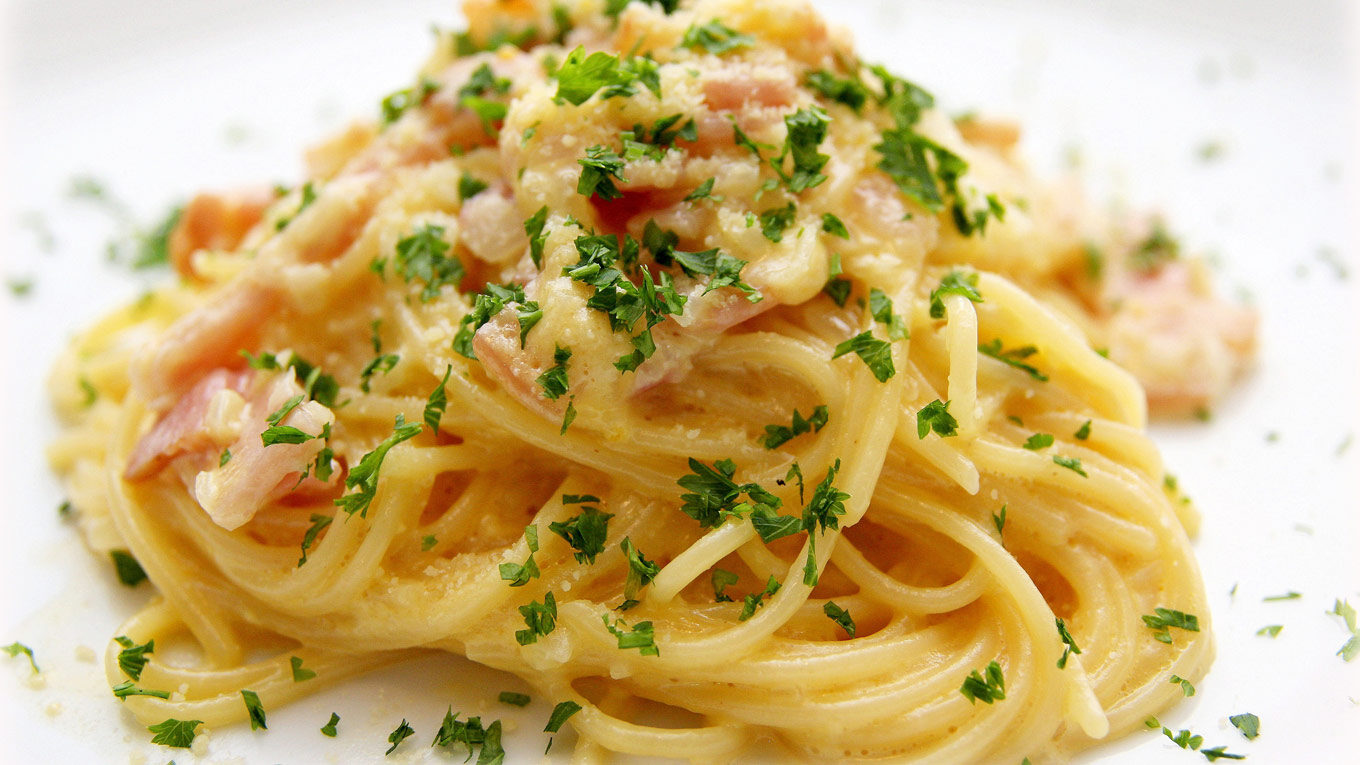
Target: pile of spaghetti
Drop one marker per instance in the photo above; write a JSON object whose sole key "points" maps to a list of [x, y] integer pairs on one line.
{"points": [[670, 357]]}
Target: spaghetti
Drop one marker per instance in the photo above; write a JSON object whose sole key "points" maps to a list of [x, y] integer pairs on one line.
{"points": [[524, 373]]}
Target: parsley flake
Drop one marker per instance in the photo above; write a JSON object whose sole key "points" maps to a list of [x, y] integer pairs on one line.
{"points": [[1164, 618], [403, 732], [954, 283], [132, 659], [756, 599], [364, 476], [598, 167], [174, 733], [987, 690], [876, 354], [254, 709], [423, 257], [641, 636], [1069, 643], [715, 37], [300, 674], [554, 380], [881, 308], [329, 728], [1186, 687], [721, 580], [585, 533], [130, 688], [1071, 463], [319, 522], [16, 648], [437, 402], [517, 574], [1248, 723], [840, 616], [1084, 432], [640, 570], [999, 520], [514, 699], [1039, 441], [935, 416], [129, 571], [776, 220], [778, 435], [540, 619]]}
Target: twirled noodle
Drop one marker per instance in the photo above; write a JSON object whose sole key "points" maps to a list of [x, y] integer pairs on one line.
{"points": [[951, 546]]}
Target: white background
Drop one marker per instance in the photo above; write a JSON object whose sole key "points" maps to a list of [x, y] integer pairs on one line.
{"points": [[158, 99]]}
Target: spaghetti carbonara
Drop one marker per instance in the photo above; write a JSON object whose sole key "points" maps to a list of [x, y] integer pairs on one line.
{"points": [[675, 359]]}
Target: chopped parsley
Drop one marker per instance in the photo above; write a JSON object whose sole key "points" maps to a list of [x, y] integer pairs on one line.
{"points": [[382, 363], [999, 520], [846, 90], [489, 302], [721, 581], [132, 659], [715, 37], [821, 512], [254, 709], [1015, 357], [881, 308], [1351, 648], [778, 435], [469, 187], [129, 571], [1039, 441], [319, 522], [533, 228], [540, 619], [329, 728], [640, 571], [702, 191], [308, 197], [1157, 248], [581, 76], [876, 354], [775, 220], [585, 533], [806, 131], [130, 688], [954, 283], [403, 732], [300, 674], [14, 649], [1186, 687], [837, 287], [833, 225], [437, 402], [517, 574], [714, 497], [554, 380], [364, 476], [840, 616], [91, 392], [428, 542], [174, 733], [756, 599], [935, 416], [641, 636], [1071, 463], [1084, 432], [560, 714], [1069, 644], [423, 256], [641, 143], [224, 458], [1217, 753], [514, 699], [1248, 723], [1164, 618], [598, 167], [470, 734], [1270, 630], [985, 689], [399, 102], [723, 270]]}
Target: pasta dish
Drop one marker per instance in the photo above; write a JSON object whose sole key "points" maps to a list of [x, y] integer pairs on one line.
{"points": [[673, 358]]}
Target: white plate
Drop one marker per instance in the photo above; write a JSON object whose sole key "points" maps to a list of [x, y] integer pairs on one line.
{"points": [[158, 99]]}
